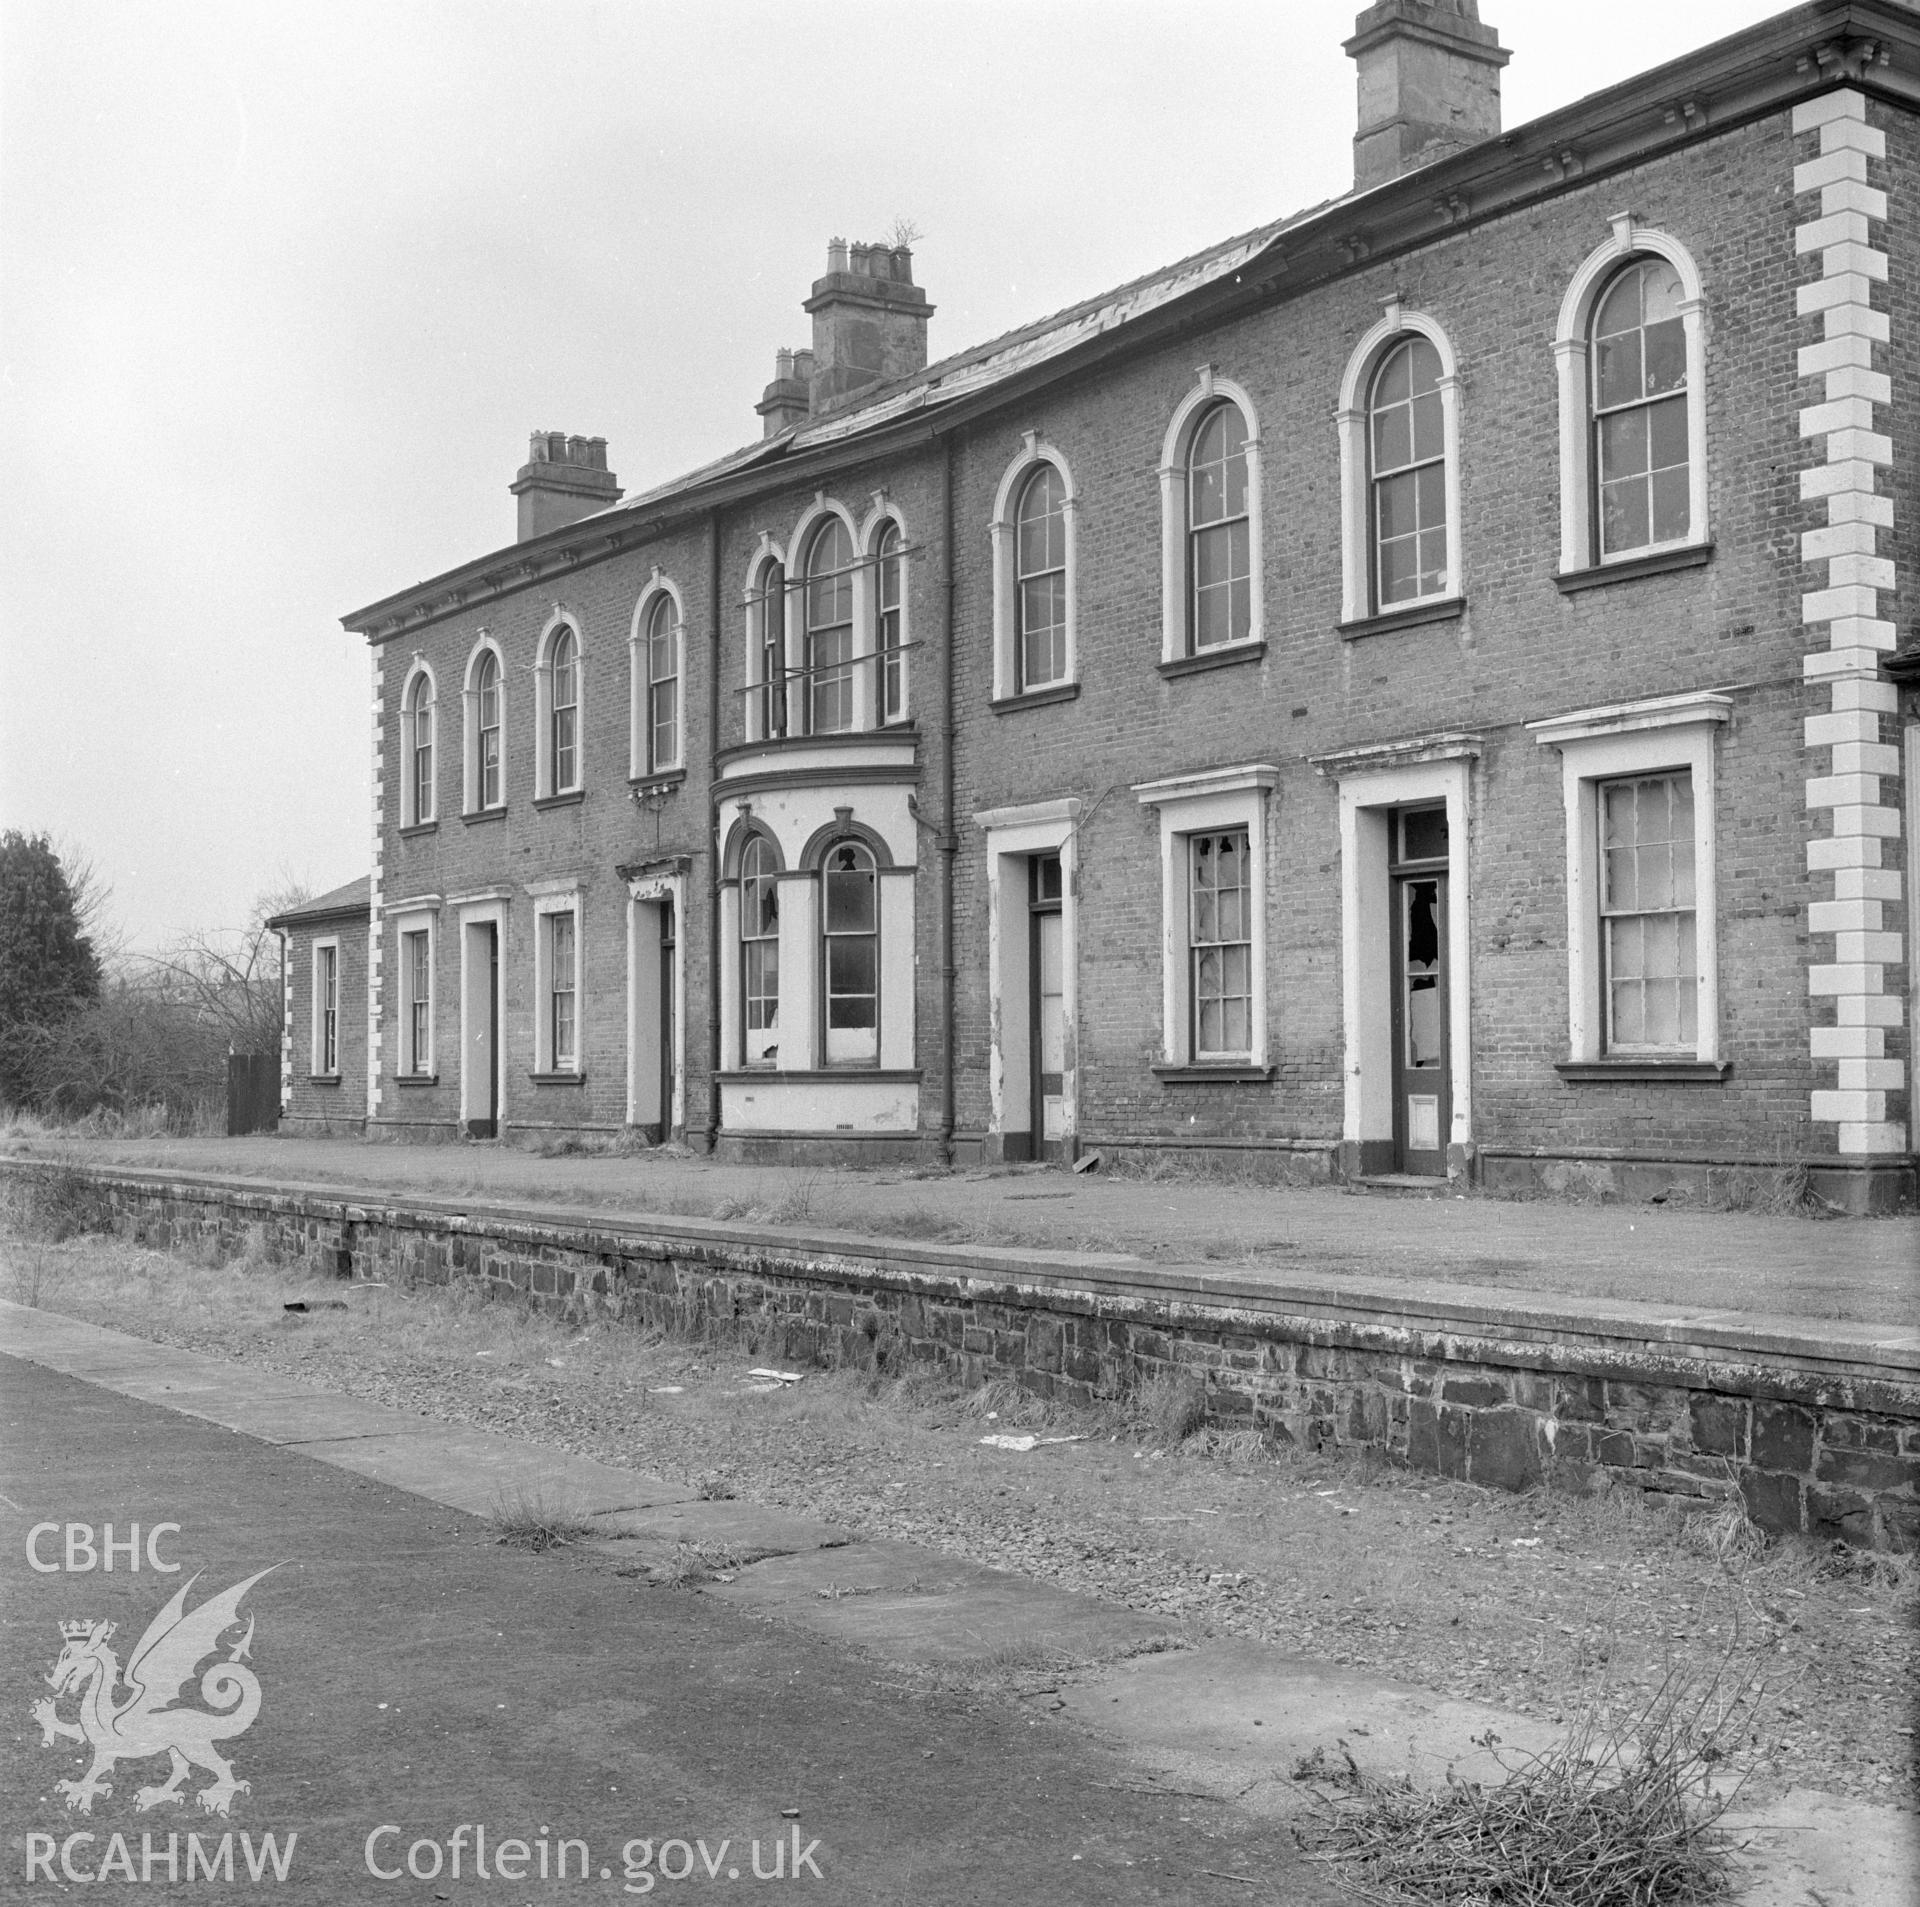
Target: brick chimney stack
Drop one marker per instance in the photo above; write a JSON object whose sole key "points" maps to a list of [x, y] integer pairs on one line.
{"points": [[785, 401], [1429, 85], [869, 321], [563, 479]]}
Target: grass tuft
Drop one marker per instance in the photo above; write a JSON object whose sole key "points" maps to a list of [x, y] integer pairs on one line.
{"points": [[529, 1519], [1170, 1407], [1619, 1814]]}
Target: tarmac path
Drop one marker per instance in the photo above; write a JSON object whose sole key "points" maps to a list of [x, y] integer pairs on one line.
{"points": [[419, 1678]]}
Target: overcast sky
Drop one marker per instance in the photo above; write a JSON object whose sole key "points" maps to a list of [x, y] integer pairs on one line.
{"points": [[284, 288]]}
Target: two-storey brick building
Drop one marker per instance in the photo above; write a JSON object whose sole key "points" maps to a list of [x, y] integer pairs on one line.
{"points": [[1413, 688]]}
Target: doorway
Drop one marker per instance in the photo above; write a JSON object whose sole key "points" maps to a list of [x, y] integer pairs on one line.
{"points": [[480, 1018], [1046, 998], [1417, 922], [655, 1007]]}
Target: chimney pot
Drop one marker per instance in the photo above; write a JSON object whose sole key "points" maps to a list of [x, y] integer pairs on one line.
{"points": [[836, 255], [563, 479], [1429, 85]]}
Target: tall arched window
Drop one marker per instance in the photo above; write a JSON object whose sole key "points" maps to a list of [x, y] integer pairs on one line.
{"points": [[1407, 457], [890, 618], [1219, 533], [829, 597], [661, 648], [1641, 460], [1040, 578], [770, 651], [760, 950], [564, 667], [419, 716], [850, 918], [486, 689]]}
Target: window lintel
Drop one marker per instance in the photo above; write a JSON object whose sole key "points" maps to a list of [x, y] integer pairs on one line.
{"points": [[1625, 718]]}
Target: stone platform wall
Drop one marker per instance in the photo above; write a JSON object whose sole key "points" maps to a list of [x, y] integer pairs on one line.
{"points": [[1819, 1434]]}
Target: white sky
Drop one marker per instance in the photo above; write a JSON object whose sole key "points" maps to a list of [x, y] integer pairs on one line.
{"points": [[284, 287]]}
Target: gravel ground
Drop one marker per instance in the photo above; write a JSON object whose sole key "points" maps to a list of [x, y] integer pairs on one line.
{"points": [[1537, 1603]]}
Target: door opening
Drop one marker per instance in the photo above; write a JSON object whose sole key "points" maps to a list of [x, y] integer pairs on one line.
{"points": [[480, 1067], [1046, 994], [667, 944], [1417, 920]]}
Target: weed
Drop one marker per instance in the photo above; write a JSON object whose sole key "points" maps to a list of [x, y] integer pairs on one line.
{"points": [[525, 1518], [1170, 1406], [713, 1489], [1616, 1815]]}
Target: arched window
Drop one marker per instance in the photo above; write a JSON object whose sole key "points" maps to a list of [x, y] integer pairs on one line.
{"points": [[1407, 465], [1219, 532], [829, 611], [660, 657], [770, 651], [1642, 473], [564, 743], [419, 725], [488, 791], [850, 917], [1040, 580], [890, 618], [760, 950]]}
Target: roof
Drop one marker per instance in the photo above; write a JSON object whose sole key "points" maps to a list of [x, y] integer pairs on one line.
{"points": [[1741, 75], [355, 898]]}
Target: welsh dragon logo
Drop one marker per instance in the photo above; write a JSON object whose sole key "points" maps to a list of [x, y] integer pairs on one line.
{"points": [[145, 1720]]}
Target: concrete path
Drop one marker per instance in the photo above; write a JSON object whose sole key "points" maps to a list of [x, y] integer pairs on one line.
{"points": [[1217, 1727], [1864, 1270]]}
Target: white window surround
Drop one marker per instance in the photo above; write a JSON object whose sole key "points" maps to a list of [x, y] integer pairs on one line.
{"points": [[317, 1067], [1372, 783], [800, 684], [561, 618], [1034, 451], [1204, 803], [1208, 390], [1578, 543], [639, 730], [419, 916], [413, 813], [1014, 835], [470, 724], [559, 896], [767, 556], [1596, 745], [1357, 598]]}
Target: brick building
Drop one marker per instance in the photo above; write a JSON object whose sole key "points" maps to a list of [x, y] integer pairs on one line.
{"points": [[1414, 688]]}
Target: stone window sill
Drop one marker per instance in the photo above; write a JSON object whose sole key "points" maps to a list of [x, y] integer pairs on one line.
{"points": [[1214, 1073], [479, 815], [1629, 1071], [567, 798], [1413, 616], [1632, 568], [885, 1076], [418, 828], [662, 783], [1036, 698], [323, 1079], [558, 1079], [1224, 657], [416, 1079]]}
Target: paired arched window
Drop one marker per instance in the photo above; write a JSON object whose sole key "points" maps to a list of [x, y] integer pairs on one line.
{"points": [[850, 962], [760, 949], [1407, 449], [767, 620], [1638, 362], [1219, 532], [488, 789], [828, 596], [1040, 581], [563, 739], [656, 667], [418, 721]]}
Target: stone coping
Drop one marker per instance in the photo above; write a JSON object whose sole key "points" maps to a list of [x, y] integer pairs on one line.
{"points": [[1831, 1348]]}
